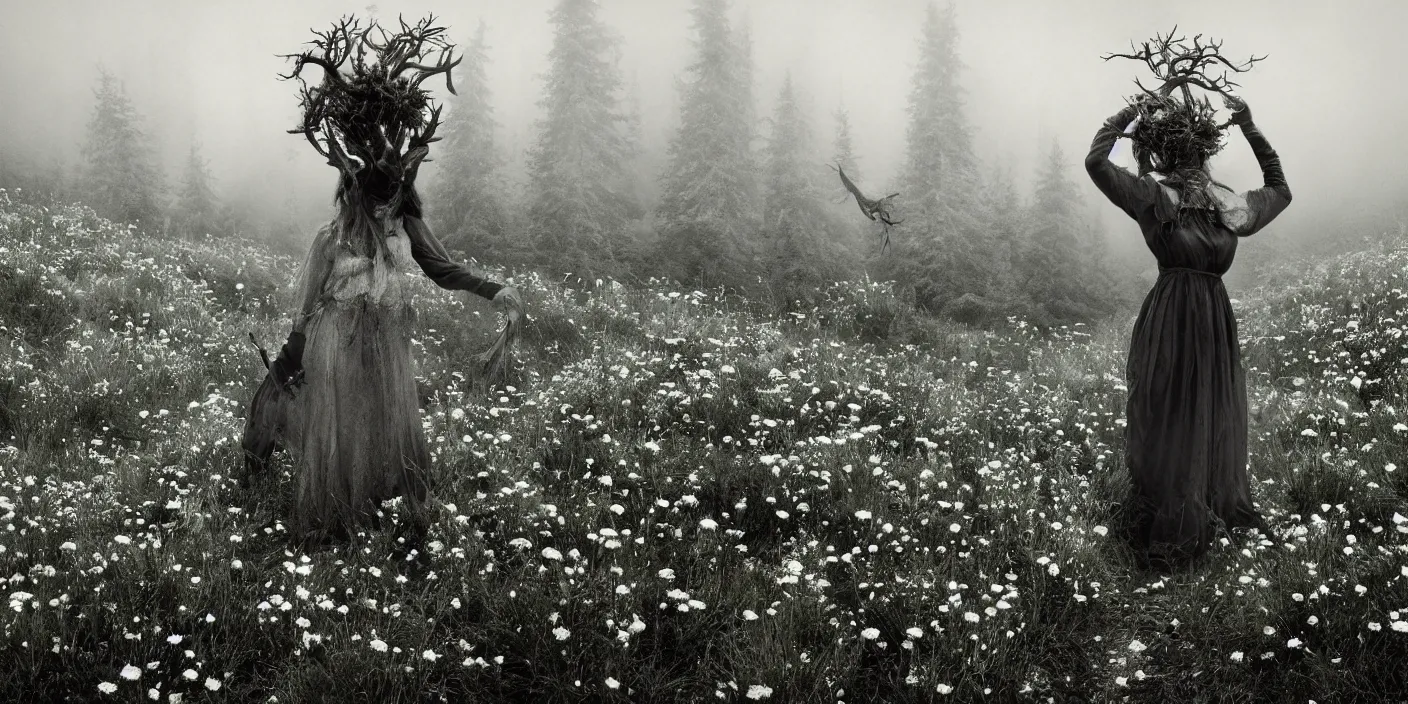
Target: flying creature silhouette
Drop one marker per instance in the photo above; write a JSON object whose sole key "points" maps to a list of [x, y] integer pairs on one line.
{"points": [[873, 209]]}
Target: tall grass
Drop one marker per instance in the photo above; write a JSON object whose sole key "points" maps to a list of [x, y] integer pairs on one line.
{"points": [[681, 498]]}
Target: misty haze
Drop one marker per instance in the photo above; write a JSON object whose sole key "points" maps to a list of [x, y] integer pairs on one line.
{"points": [[704, 350]]}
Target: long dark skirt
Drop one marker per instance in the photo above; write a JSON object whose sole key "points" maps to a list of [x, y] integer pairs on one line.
{"points": [[1186, 438]]}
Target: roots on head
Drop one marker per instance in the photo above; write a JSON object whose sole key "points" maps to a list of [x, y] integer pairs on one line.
{"points": [[370, 118], [1175, 137]]}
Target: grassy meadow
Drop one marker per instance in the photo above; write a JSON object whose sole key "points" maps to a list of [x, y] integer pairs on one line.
{"points": [[681, 498]]}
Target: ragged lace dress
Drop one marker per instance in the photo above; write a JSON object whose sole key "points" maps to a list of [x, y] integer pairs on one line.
{"points": [[354, 426], [1186, 433]]}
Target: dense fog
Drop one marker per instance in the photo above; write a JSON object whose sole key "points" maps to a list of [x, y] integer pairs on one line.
{"points": [[1331, 96]]}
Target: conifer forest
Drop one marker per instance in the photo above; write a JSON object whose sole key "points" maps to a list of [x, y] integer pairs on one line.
{"points": [[703, 350]]}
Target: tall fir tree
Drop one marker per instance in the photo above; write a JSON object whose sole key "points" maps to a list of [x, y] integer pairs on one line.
{"points": [[649, 162], [1007, 224], [1055, 264], [197, 211], [747, 83], [633, 249], [939, 165], [120, 179], [707, 204], [943, 251], [851, 228], [1103, 280], [801, 254], [842, 150], [465, 201], [581, 200], [745, 88], [631, 121]]}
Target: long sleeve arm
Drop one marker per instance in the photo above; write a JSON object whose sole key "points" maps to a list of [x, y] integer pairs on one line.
{"points": [[1123, 188], [435, 261], [1264, 203]]}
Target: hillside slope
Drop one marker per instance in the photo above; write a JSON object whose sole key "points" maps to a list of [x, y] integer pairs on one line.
{"points": [[680, 499]]}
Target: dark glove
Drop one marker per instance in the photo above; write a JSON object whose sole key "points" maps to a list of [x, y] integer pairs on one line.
{"points": [[287, 369], [1241, 114]]}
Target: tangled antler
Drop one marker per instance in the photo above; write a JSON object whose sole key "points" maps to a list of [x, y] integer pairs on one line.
{"points": [[408, 48], [1171, 59], [367, 116]]}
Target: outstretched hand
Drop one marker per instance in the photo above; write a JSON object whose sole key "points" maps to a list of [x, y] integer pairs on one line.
{"points": [[510, 302], [497, 359]]}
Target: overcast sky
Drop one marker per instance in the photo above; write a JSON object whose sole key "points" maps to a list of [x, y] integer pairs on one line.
{"points": [[1332, 97]]}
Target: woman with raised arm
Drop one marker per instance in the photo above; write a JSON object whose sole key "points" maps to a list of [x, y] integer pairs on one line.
{"points": [[341, 394], [1186, 438]]}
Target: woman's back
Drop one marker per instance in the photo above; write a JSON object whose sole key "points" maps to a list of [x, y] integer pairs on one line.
{"points": [[1201, 240], [1186, 413]]}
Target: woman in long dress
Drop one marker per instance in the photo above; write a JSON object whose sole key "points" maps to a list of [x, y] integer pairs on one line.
{"points": [[1186, 433], [341, 395]]}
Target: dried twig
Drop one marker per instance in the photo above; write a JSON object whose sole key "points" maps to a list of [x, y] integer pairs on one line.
{"points": [[497, 359], [872, 209], [1169, 58], [1181, 135]]}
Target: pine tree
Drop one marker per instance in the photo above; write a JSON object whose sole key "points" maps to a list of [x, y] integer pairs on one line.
{"points": [[121, 180], [744, 94], [743, 56], [851, 228], [465, 199], [1103, 287], [580, 193], [939, 169], [648, 162], [710, 183], [1055, 266], [631, 124], [801, 252], [633, 247], [843, 152], [197, 211], [943, 252], [1007, 226]]}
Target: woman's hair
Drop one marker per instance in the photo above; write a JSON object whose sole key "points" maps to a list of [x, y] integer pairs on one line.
{"points": [[358, 201], [1177, 139], [357, 226], [1179, 174]]}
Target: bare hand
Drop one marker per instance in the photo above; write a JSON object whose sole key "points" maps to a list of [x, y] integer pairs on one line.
{"points": [[510, 302]]}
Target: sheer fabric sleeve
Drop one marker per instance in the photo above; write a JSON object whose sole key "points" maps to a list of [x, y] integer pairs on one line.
{"points": [[314, 277]]}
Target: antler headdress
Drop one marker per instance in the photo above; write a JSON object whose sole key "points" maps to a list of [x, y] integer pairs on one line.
{"points": [[1182, 133], [371, 122]]}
